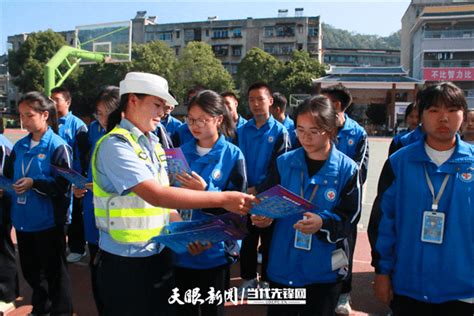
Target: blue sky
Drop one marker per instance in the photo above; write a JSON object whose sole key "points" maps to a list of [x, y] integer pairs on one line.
{"points": [[24, 16]]}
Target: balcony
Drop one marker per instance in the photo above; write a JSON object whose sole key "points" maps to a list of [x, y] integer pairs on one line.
{"points": [[447, 44], [448, 63], [446, 34]]}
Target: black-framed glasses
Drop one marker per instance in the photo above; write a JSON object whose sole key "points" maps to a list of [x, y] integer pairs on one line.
{"points": [[198, 122]]}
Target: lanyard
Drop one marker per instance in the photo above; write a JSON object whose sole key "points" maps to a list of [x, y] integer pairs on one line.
{"points": [[302, 191], [436, 199], [28, 166]]}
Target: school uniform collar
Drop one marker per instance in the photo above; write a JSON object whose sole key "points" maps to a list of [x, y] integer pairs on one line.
{"points": [[348, 124], [212, 156], [329, 169], [65, 118], [43, 143], [268, 124], [462, 155]]}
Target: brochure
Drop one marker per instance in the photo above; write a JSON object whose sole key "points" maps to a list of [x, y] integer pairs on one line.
{"points": [[278, 202], [176, 164], [72, 176]]}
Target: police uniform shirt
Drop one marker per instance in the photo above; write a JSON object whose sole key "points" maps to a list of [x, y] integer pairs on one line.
{"points": [[119, 169]]}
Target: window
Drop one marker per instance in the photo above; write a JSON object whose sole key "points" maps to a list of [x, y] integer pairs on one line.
{"points": [[231, 68], [237, 32], [177, 34], [220, 50], [176, 50], [165, 36], [189, 35], [237, 50], [285, 30], [207, 33], [279, 48], [3, 88], [269, 31], [312, 31], [220, 33]]}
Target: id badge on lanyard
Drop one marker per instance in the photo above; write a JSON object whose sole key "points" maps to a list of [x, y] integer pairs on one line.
{"points": [[21, 198], [302, 240], [432, 230]]}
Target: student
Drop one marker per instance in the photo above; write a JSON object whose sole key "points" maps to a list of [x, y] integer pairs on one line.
{"points": [[183, 135], [74, 131], [353, 141], [262, 139], [106, 102], [320, 173], [468, 128], [232, 104], [169, 122], [422, 221], [40, 205], [9, 289], [278, 110], [216, 165], [412, 121], [133, 201]]}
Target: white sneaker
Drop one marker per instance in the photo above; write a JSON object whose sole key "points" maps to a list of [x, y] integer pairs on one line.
{"points": [[242, 290], [4, 307], [75, 257], [344, 304]]}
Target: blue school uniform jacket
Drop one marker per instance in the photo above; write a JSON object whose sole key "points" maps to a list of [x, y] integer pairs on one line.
{"points": [[182, 135], [261, 147], [407, 139], [337, 201], [74, 131], [171, 124], [352, 140], [48, 200], [428, 272], [91, 233], [223, 169]]}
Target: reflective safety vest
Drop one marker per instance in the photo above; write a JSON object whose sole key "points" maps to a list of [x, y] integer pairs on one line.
{"points": [[128, 218]]}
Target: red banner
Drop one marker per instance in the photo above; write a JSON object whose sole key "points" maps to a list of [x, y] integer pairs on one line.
{"points": [[448, 74]]}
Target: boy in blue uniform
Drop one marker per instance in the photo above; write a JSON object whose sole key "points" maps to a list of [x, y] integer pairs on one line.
{"points": [[353, 141], [74, 131], [262, 139], [40, 205], [422, 221], [8, 273], [278, 111], [169, 122], [308, 249], [232, 104], [216, 165], [412, 121]]}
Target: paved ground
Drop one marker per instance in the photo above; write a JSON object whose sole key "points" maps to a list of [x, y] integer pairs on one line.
{"points": [[363, 301]]}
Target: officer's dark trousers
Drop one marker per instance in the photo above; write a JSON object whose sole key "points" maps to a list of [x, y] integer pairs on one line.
{"points": [[75, 231], [43, 262], [135, 286], [407, 306], [248, 253], [8, 272], [189, 279], [93, 249]]}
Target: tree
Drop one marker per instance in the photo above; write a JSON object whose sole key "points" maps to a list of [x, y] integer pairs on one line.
{"points": [[198, 66], [257, 65], [26, 65], [297, 74]]}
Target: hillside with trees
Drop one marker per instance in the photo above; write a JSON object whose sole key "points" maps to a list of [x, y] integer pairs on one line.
{"points": [[338, 38]]}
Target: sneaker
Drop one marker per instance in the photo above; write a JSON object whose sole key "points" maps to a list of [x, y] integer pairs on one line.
{"points": [[246, 284], [75, 257], [344, 304], [4, 307]]}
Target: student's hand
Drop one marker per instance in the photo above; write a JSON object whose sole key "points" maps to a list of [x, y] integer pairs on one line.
{"points": [[175, 217], [252, 191], [196, 248], [261, 221], [238, 202], [78, 193], [192, 181], [383, 288], [23, 185], [312, 224], [89, 186]]}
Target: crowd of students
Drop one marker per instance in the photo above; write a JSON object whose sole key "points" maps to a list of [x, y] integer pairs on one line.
{"points": [[421, 232]]}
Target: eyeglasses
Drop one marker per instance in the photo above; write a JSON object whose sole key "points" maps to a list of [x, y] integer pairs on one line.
{"points": [[309, 134], [198, 122]]}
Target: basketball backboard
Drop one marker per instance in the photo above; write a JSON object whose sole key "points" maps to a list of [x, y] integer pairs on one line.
{"points": [[113, 40]]}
